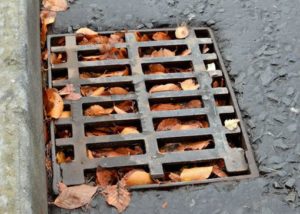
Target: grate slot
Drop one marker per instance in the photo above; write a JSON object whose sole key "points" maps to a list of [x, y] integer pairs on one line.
{"points": [[151, 146]]}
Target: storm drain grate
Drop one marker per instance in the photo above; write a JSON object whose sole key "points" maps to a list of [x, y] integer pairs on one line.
{"points": [[215, 94]]}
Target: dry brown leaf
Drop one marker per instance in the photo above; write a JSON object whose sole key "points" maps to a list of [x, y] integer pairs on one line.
{"points": [[205, 49], [106, 177], [73, 96], [86, 31], [65, 114], [181, 32], [163, 52], [57, 58], [196, 173], [193, 146], [89, 154], [160, 36], [169, 124], [99, 91], [186, 52], [165, 87], [193, 104], [97, 110], [164, 205], [47, 17], [53, 102], [55, 5], [141, 37], [189, 84], [68, 89], [125, 72], [61, 187], [119, 111], [117, 196], [75, 196], [218, 171], [157, 69], [165, 107], [125, 106], [129, 130], [137, 177], [60, 157], [117, 91], [174, 177]]}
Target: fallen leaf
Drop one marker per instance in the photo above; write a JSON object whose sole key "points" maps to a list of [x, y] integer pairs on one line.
{"points": [[189, 84], [168, 124], [186, 52], [165, 107], [117, 196], [137, 177], [97, 110], [99, 91], [174, 177], [199, 145], [181, 32], [55, 5], [218, 172], [124, 107], [89, 154], [196, 173], [129, 130], [86, 31], [231, 124], [141, 38], [60, 157], [68, 89], [61, 187], [165, 87], [205, 49], [160, 36], [125, 72], [157, 69], [211, 67], [75, 196], [163, 52], [57, 58], [164, 205], [53, 102], [117, 91], [65, 114], [47, 17], [73, 96], [193, 104], [106, 177]]}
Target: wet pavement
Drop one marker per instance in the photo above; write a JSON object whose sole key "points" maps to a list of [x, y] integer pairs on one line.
{"points": [[260, 43]]}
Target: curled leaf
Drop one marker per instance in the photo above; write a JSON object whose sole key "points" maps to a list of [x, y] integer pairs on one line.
{"points": [[189, 84], [129, 130], [174, 177], [65, 114], [166, 87], [47, 17], [160, 36], [169, 124], [106, 177], [75, 196], [231, 124], [165, 107], [163, 52], [186, 52], [137, 177], [218, 171], [196, 173], [117, 91], [86, 31], [54, 104], [97, 110], [157, 69], [181, 32], [99, 91]]}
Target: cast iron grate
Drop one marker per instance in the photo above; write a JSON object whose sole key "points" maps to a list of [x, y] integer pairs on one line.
{"points": [[239, 161]]}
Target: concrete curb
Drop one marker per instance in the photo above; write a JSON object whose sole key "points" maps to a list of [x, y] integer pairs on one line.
{"points": [[22, 171]]}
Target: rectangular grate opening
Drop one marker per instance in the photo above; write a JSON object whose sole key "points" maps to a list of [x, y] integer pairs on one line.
{"points": [[147, 104]]}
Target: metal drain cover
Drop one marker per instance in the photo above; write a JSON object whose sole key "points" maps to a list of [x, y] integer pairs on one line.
{"points": [[215, 93]]}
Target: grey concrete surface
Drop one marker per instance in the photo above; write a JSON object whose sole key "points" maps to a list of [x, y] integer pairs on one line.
{"points": [[260, 42], [22, 170]]}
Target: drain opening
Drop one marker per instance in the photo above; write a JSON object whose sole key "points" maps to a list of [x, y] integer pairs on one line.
{"points": [[157, 107]]}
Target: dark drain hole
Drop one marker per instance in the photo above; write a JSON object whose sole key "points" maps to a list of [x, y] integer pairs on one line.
{"points": [[183, 144], [113, 128], [222, 100], [112, 54], [63, 131], [168, 67], [115, 149], [104, 71], [156, 51], [175, 103]]}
